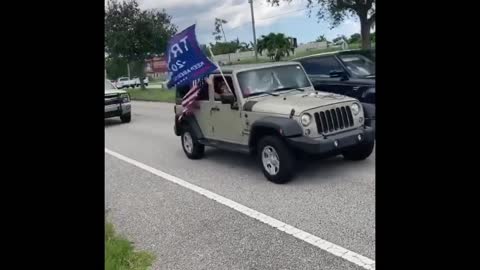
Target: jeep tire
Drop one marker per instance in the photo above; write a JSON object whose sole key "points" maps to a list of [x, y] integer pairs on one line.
{"points": [[276, 159], [359, 152], [192, 148], [126, 118]]}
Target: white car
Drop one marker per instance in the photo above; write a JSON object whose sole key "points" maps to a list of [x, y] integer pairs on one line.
{"points": [[117, 103], [125, 82], [137, 81]]}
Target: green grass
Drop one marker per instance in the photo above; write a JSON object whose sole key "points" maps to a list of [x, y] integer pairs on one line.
{"points": [[152, 94], [156, 80], [120, 253]]}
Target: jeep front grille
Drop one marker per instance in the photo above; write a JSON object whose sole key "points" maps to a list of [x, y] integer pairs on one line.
{"points": [[334, 119], [113, 99]]}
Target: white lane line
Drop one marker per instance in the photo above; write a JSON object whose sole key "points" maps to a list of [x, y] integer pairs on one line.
{"points": [[336, 250]]}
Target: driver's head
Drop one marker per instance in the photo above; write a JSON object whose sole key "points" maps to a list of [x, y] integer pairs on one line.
{"points": [[223, 87], [220, 87]]}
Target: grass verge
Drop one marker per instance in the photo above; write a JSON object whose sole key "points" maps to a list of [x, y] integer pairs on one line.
{"points": [[152, 94], [120, 253]]}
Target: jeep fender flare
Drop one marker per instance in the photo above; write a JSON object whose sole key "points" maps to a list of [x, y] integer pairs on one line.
{"points": [[281, 126], [369, 114], [368, 110], [191, 121], [368, 94]]}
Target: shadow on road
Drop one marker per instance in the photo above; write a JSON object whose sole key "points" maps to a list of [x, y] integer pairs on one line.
{"points": [[319, 168], [112, 122], [227, 158]]}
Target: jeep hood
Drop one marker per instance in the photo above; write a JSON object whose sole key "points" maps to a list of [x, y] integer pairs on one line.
{"points": [[283, 104], [114, 92]]}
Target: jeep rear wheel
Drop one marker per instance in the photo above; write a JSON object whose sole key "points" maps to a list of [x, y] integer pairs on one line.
{"points": [[359, 152], [276, 159], [192, 148]]}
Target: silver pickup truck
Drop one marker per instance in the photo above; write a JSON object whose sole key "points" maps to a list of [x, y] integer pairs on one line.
{"points": [[117, 103]]}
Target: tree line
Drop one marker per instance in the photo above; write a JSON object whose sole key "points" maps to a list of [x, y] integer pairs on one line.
{"points": [[133, 35]]}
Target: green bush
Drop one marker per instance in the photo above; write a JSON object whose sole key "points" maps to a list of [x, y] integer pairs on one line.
{"points": [[120, 254], [152, 94]]}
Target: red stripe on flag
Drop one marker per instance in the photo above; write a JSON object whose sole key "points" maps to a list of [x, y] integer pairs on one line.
{"points": [[192, 89], [190, 97], [188, 104], [188, 101]]}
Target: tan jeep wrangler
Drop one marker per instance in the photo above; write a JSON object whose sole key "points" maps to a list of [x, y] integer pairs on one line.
{"points": [[273, 113]]}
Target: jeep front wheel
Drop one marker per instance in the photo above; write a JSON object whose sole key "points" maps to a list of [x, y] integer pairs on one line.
{"points": [[276, 159], [192, 148], [126, 118]]}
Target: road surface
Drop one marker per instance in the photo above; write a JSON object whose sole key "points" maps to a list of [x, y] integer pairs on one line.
{"points": [[332, 199]]}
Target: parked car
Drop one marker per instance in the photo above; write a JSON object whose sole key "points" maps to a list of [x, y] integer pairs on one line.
{"points": [[370, 54], [137, 81], [273, 112], [350, 73], [117, 103], [125, 82]]}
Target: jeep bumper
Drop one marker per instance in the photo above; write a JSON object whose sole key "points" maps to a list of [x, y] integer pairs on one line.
{"points": [[333, 144], [115, 110]]}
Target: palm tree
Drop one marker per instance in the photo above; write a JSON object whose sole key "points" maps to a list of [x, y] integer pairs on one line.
{"points": [[276, 45]]}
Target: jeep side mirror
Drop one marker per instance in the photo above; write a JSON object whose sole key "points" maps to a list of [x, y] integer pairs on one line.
{"points": [[339, 74], [227, 99]]}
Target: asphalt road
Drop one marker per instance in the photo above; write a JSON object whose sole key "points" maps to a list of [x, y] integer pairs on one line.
{"points": [[332, 199]]}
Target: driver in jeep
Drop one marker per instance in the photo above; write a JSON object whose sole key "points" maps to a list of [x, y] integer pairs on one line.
{"points": [[221, 89]]}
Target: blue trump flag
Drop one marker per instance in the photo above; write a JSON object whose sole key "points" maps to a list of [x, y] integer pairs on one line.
{"points": [[186, 61]]}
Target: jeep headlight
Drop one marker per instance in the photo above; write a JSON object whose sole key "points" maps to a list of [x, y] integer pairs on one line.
{"points": [[306, 119], [355, 108], [125, 97]]}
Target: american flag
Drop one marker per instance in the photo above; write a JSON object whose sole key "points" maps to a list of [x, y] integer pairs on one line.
{"points": [[188, 101]]}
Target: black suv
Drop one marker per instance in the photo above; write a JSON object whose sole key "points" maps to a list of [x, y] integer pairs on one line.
{"points": [[350, 73]]}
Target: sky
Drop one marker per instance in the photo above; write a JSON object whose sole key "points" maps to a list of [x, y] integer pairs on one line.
{"points": [[289, 18]]}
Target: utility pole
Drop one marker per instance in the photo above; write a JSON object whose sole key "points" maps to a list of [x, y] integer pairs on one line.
{"points": [[128, 70], [253, 27]]}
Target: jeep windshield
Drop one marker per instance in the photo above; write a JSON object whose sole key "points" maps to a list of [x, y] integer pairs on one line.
{"points": [[359, 65], [271, 79]]}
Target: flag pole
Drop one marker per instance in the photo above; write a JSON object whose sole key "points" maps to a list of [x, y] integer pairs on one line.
{"points": [[220, 69]]}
